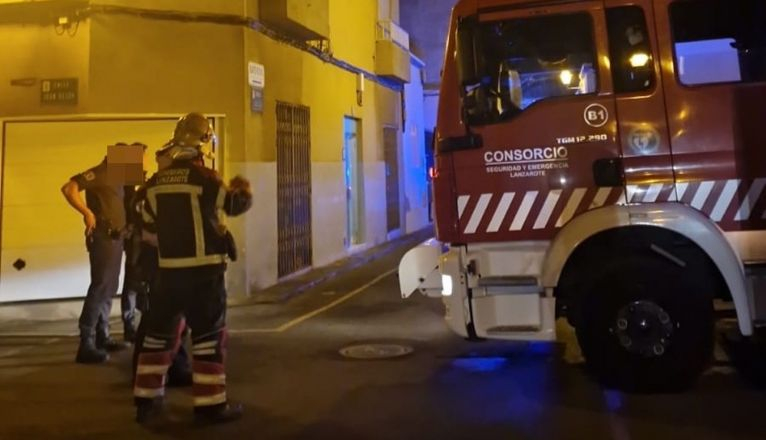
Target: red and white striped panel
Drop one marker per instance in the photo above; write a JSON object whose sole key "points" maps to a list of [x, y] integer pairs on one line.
{"points": [[723, 201]]}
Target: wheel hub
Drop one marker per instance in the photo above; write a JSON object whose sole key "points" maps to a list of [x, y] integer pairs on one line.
{"points": [[644, 328]]}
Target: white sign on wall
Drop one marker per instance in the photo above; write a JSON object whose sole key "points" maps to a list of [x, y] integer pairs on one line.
{"points": [[256, 75]]}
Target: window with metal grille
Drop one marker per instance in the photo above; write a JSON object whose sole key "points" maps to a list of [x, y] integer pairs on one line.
{"points": [[293, 188]]}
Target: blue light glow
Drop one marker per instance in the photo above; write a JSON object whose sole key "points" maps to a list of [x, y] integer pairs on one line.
{"points": [[541, 348], [480, 364], [614, 400]]}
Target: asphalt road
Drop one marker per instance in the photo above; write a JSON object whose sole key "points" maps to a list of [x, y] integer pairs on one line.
{"points": [[285, 366]]}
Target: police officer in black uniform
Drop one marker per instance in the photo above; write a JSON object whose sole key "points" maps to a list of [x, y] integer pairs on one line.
{"points": [[104, 217], [184, 204]]}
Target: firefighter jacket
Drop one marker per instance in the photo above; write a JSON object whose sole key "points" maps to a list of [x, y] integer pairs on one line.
{"points": [[185, 205]]}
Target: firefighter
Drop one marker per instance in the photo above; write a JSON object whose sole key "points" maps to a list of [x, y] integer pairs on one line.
{"points": [[104, 217], [142, 263], [183, 206]]}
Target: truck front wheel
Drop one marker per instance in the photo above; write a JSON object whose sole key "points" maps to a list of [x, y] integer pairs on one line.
{"points": [[646, 323]]}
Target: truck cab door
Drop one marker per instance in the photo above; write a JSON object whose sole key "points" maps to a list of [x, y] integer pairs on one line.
{"points": [[639, 102], [544, 113]]}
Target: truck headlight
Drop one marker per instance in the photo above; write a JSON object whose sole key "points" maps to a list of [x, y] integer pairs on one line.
{"points": [[446, 285]]}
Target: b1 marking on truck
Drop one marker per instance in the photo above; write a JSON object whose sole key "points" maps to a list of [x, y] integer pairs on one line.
{"points": [[596, 115]]}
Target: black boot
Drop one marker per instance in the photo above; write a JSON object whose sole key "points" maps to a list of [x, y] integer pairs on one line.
{"points": [[104, 342], [87, 353], [212, 415], [147, 410], [129, 336]]}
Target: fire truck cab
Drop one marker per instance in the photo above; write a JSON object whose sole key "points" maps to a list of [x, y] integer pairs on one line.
{"points": [[605, 161]]}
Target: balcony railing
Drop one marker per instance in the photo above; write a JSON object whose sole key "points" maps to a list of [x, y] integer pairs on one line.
{"points": [[390, 31]]}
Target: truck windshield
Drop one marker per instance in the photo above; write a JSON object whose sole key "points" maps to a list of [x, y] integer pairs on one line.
{"points": [[527, 60]]}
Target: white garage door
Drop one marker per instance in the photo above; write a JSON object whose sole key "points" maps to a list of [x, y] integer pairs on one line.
{"points": [[38, 227]]}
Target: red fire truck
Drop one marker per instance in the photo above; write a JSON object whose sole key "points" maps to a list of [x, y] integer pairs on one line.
{"points": [[603, 161]]}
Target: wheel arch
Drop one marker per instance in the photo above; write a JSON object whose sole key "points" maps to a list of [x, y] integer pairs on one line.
{"points": [[655, 223]]}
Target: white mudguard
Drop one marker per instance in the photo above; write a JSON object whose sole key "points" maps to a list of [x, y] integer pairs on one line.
{"points": [[419, 270]]}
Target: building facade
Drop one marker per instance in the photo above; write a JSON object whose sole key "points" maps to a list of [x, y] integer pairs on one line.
{"points": [[308, 99], [428, 42]]}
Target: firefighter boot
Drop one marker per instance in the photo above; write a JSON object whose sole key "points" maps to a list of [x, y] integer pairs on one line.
{"points": [[147, 410], [87, 353], [213, 415], [129, 335]]}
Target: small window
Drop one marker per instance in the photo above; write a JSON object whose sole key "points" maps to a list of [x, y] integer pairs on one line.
{"points": [[719, 41], [528, 60], [629, 50]]}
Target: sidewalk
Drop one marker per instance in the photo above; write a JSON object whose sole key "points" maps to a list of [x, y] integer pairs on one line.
{"points": [[17, 320], [288, 289]]}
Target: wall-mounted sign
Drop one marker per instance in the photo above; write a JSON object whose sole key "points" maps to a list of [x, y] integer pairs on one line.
{"points": [[23, 82], [59, 91], [256, 75], [256, 99]]}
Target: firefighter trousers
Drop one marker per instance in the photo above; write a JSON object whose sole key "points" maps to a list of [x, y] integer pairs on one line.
{"points": [[201, 300]]}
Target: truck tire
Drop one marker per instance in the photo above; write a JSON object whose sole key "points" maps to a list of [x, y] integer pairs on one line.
{"points": [[647, 323]]}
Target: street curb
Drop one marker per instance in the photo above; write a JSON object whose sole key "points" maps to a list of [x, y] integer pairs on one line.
{"points": [[287, 290]]}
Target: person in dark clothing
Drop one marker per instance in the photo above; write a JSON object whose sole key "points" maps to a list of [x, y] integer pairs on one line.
{"points": [[142, 262], [104, 217], [184, 205], [133, 283]]}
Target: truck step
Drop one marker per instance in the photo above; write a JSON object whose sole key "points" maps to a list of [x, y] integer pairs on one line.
{"points": [[755, 268], [756, 278], [514, 281], [513, 329]]}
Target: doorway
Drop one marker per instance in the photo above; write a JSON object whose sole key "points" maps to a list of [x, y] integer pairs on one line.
{"points": [[393, 196], [354, 180]]}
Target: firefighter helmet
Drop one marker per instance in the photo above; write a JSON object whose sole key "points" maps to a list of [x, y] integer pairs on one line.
{"points": [[192, 131]]}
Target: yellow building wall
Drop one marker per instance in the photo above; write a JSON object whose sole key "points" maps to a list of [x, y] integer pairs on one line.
{"points": [[296, 77], [133, 65], [156, 66], [37, 52], [352, 31]]}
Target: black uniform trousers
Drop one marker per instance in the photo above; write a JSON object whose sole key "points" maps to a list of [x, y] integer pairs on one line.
{"points": [[105, 254], [199, 296], [146, 282]]}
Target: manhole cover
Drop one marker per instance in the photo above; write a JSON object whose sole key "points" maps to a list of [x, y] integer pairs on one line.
{"points": [[376, 351]]}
